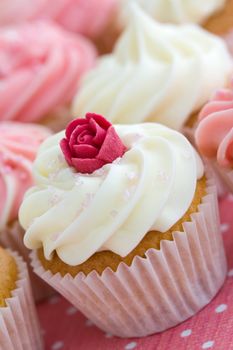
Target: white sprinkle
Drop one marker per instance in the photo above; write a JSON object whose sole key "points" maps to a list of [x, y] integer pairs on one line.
{"points": [[186, 333], [162, 176], [54, 299], [58, 345], [127, 194], [224, 227], [208, 344], [131, 175], [87, 200], [230, 197], [108, 335], [71, 310], [230, 273], [131, 345], [89, 323], [113, 213], [187, 155], [221, 308]]}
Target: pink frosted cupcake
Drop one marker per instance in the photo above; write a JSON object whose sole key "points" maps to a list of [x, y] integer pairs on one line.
{"points": [[40, 69], [93, 18], [214, 135], [19, 327], [19, 144], [124, 223]]}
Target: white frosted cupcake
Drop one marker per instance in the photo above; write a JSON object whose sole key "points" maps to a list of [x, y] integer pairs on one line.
{"points": [[124, 223], [156, 73]]}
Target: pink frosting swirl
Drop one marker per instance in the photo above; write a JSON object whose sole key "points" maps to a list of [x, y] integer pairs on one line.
{"points": [[214, 134], [40, 68], [88, 17], [18, 147]]}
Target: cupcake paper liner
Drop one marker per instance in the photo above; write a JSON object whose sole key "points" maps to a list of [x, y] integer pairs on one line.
{"points": [[19, 326], [12, 237], [225, 177], [159, 291]]}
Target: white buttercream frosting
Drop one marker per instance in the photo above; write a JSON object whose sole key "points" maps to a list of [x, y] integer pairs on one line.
{"points": [[157, 72], [174, 11], [76, 215]]}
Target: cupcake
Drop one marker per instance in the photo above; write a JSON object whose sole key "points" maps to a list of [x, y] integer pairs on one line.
{"points": [[156, 73], [214, 135], [93, 18], [124, 223], [19, 144], [39, 74], [19, 327], [177, 11]]}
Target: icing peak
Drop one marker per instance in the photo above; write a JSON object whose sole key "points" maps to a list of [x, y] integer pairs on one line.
{"points": [[157, 72]]}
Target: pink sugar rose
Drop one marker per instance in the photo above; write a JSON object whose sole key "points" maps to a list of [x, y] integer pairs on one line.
{"points": [[91, 143]]}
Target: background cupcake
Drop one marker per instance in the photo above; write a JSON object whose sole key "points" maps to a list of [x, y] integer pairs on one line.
{"points": [[40, 73], [125, 225], [157, 72], [214, 135], [19, 144], [93, 18], [19, 325]]}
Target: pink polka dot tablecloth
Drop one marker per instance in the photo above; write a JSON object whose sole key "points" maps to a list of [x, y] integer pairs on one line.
{"points": [[65, 328]]}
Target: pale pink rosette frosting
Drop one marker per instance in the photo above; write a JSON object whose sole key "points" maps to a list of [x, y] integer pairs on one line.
{"points": [[214, 134], [88, 17], [40, 69], [18, 148]]}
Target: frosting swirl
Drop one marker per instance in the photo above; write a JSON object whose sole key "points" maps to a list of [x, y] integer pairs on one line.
{"points": [[39, 73], [156, 72], [76, 215], [175, 11], [86, 17], [18, 147], [214, 134]]}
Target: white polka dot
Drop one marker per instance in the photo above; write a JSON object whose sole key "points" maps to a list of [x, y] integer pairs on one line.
{"points": [[208, 344], [224, 227], [54, 300], [131, 345], [58, 345], [221, 308], [230, 197], [71, 310], [186, 333], [88, 323], [108, 335], [230, 273]]}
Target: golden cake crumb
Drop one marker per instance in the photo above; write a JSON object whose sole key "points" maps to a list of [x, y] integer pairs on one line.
{"points": [[99, 261], [8, 275], [221, 22]]}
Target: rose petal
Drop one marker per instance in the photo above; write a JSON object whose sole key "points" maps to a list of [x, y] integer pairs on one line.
{"points": [[103, 123], [225, 151], [79, 130], [87, 166], [85, 138], [98, 131], [112, 147], [72, 125], [66, 151], [85, 151]]}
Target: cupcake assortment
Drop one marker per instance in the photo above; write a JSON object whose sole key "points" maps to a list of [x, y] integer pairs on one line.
{"points": [[97, 177]]}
